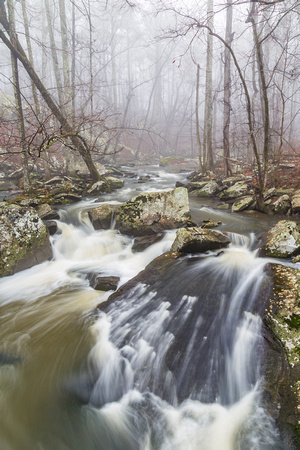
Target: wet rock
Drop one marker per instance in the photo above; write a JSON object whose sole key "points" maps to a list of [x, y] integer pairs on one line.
{"points": [[282, 204], [145, 179], [24, 239], [239, 189], [65, 198], [52, 226], [102, 216], [210, 224], [104, 283], [209, 190], [45, 212], [296, 203], [223, 206], [243, 203], [282, 241], [230, 181], [196, 185], [98, 187], [114, 182], [282, 317], [198, 240], [142, 242], [153, 212]]}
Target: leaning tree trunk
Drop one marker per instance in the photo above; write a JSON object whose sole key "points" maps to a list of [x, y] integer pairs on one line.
{"points": [[18, 99], [19, 53]]}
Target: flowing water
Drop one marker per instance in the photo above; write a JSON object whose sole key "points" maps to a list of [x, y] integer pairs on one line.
{"points": [[175, 367]]}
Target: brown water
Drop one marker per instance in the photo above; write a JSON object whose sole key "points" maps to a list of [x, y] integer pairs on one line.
{"points": [[51, 342]]}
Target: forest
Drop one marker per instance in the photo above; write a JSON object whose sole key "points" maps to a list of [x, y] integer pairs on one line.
{"points": [[127, 81], [149, 225]]}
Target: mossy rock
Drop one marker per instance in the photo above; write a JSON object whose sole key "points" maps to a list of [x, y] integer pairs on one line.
{"points": [[153, 212], [282, 241], [24, 239], [171, 160]]}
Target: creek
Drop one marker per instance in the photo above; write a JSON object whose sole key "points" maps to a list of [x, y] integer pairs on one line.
{"points": [[175, 367]]}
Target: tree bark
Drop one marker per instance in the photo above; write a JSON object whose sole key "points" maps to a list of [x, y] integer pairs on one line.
{"points": [[227, 91], [201, 163], [208, 111]]}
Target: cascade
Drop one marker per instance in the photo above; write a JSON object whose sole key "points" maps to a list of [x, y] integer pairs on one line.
{"points": [[166, 368]]}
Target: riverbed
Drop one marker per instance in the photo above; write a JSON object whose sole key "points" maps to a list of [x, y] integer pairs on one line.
{"points": [[75, 378]]}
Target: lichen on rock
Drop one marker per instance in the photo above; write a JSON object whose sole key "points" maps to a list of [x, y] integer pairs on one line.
{"points": [[282, 241], [24, 239], [153, 212]]}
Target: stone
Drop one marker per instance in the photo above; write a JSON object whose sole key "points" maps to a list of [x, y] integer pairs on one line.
{"points": [[196, 185], [99, 186], [52, 226], [65, 198], [151, 213], [239, 189], [210, 224], [45, 212], [114, 182], [102, 216], [296, 202], [230, 181], [24, 239], [142, 242], [210, 189], [269, 193], [198, 240], [283, 318], [282, 204], [243, 203], [104, 283], [282, 241]]}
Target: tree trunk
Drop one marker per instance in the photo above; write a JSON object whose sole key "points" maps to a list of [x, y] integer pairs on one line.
{"points": [[202, 164], [227, 91], [18, 99], [54, 56], [19, 53], [208, 111]]}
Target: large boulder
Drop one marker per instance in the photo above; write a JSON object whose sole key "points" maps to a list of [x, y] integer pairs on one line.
{"points": [[114, 182], [282, 317], [153, 212], [210, 189], [24, 239], [198, 240], [239, 189], [296, 202], [282, 204], [282, 241], [102, 216], [243, 203]]}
